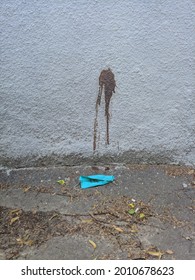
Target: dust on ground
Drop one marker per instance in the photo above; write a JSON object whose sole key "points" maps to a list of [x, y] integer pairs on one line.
{"points": [[117, 219]]}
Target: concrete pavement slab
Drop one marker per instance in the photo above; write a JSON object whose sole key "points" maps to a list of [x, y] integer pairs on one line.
{"points": [[41, 219]]}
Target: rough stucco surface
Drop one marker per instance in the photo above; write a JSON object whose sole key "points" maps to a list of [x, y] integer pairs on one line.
{"points": [[52, 53]]}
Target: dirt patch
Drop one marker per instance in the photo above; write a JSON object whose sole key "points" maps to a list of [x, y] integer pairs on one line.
{"points": [[173, 170], [116, 220]]}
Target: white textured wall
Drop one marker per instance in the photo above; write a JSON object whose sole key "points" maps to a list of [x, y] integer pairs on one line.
{"points": [[52, 53]]}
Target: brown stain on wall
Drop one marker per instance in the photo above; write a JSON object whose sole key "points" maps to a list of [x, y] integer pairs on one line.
{"points": [[107, 86]]}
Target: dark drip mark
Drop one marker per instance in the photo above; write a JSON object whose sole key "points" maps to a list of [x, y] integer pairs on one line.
{"points": [[95, 129], [107, 86]]}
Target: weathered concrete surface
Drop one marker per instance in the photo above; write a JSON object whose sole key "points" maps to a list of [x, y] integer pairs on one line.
{"points": [[168, 190], [52, 53]]}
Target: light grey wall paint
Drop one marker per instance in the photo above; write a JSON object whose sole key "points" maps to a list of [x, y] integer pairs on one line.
{"points": [[52, 53]]}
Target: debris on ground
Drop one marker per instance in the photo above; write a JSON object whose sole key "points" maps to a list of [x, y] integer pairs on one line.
{"points": [[109, 218], [148, 213]]}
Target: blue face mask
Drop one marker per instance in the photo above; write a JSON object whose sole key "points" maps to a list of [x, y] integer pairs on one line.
{"points": [[95, 180]]}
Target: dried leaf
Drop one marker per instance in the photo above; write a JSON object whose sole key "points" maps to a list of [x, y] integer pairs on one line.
{"points": [[14, 211], [170, 252], [134, 228], [61, 182], [29, 242], [24, 242], [87, 221], [131, 211], [26, 189], [52, 217], [20, 241], [118, 228], [132, 205], [142, 215], [34, 211], [13, 220], [158, 254], [93, 244]]}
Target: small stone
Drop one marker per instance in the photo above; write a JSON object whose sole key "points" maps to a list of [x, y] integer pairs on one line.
{"points": [[188, 238]]}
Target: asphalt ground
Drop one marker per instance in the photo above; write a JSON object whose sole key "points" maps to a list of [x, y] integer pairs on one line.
{"points": [[146, 213]]}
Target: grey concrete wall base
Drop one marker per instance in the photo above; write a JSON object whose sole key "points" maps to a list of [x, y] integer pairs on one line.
{"points": [[130, 157]]}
